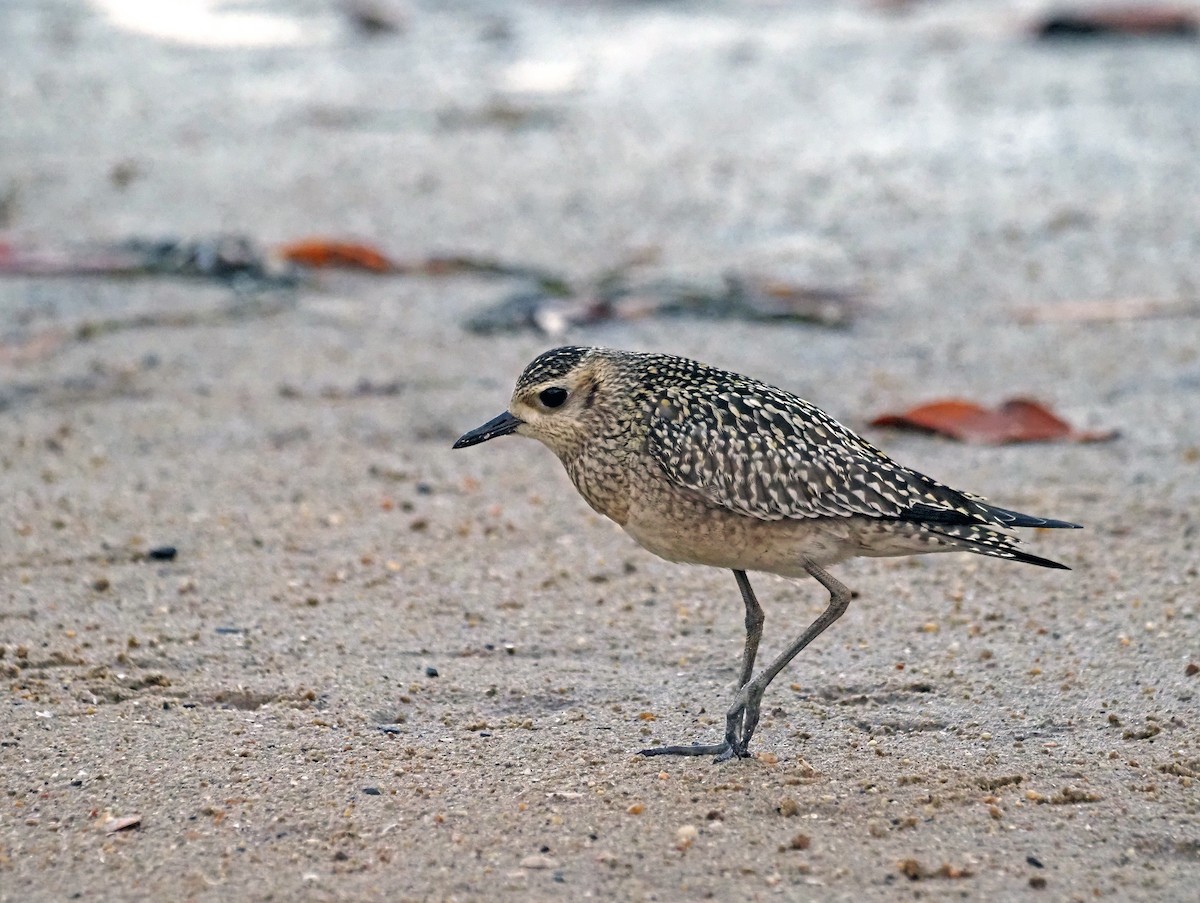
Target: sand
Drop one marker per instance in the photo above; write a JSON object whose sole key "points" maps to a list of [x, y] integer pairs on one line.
{"points": [[376, 668]]}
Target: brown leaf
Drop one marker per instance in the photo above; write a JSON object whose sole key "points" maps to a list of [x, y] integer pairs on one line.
{"points": [[1133, 20], [323, 253], [1015, 420], [1106, 310], [768, 298]]}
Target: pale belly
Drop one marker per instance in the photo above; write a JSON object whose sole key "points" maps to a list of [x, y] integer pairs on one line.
{"points": [[686, 530]]}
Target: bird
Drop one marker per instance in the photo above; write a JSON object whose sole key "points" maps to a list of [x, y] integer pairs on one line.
{"points": [[701, 465]]}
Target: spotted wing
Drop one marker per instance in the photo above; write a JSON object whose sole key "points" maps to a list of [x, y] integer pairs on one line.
{"points": [[767, 454]]}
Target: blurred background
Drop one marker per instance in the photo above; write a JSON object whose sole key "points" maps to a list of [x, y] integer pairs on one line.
{"points": [[976, 186], [925, 152]]}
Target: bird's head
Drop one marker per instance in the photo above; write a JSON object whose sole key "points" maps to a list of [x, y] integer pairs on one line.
{"points": [[555, 401]]}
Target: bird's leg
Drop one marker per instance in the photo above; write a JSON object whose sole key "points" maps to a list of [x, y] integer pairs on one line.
{"points": [[742, 718], [735, 724], [754, 627]]}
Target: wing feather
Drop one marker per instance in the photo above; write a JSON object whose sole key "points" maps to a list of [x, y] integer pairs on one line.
{"points": [[767, 454]]}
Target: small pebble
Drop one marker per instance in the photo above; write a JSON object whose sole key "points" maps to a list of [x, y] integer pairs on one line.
{"points": [[431, 671], [113, 825], [371, 791], [162, 553], [1037, 882]]}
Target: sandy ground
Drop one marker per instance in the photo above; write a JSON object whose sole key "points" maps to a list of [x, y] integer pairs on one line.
{"points": [[266, 704]]}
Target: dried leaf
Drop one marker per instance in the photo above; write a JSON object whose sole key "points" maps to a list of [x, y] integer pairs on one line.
{"points": [[322, 253], [553, 309], [1105, 310], [227, 258], [1015, 420], [771, 299], [1134, 20]]}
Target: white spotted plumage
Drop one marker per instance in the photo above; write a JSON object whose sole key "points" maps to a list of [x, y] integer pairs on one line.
{"points": [[707, 466], [763, 453]]}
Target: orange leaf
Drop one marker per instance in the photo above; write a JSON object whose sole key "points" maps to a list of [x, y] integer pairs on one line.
{"points": [[1015, 420], [323, 253]]}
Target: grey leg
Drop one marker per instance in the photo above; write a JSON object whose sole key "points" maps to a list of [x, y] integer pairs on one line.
{"points": [[754, 627], [743, 715], [742, 718]]}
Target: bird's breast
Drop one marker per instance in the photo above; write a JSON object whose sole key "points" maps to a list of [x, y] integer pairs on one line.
{"points": [[601, 474]]}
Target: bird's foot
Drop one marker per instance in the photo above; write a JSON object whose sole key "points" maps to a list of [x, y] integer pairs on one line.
{"points": [[740, 722], [720, 751]]}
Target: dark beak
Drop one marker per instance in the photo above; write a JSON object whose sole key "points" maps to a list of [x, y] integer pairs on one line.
{"points": [[497, 426]]}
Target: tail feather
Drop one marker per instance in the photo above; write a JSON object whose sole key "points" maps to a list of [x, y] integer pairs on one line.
{"points": [[1017, 519], [1026, 558], [979, 512], [982, 541]]}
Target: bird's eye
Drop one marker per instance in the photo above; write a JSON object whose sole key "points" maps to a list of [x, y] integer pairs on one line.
{"points": [[552, 397]]}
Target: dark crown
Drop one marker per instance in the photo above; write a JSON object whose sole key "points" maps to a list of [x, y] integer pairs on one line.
{"points": [[551, 365]]}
